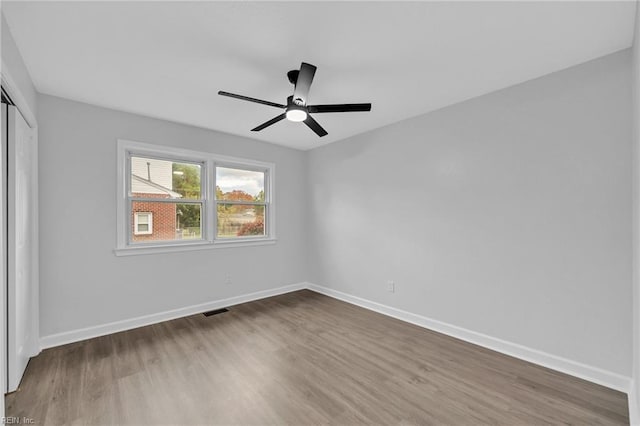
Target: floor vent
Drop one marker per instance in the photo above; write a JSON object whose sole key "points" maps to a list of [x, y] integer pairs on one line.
{"points": [[215, 312]]}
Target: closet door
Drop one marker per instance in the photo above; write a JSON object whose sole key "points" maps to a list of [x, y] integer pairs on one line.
{"points": [[22, 248]]}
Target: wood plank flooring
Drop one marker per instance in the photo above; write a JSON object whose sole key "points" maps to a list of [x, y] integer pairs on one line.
{"points": [[301, 359]]}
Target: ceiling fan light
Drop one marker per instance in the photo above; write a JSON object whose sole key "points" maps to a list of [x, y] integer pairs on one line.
{"points": [[296, 115]]}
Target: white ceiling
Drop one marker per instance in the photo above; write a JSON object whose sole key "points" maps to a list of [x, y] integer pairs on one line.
{"points": [[169, 59]]}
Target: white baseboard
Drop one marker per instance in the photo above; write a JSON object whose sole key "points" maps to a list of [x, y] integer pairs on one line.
{"points": [[632, 396], [115, 327], [573, 368]]}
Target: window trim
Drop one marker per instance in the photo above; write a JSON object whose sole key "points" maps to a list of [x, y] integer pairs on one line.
{"points": [[126, 148], [136, 223]]}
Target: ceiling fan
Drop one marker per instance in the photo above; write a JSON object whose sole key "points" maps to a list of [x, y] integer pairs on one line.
{"points": [[296, 108]]}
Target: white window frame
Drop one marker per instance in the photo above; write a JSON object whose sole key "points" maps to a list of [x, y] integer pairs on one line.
{"points": [[136, 223], [124, 244], [266, 203]]}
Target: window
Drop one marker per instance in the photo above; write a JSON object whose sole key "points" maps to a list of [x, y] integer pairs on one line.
{"points": [[171, 191], [172, 199], [143, 223], [240, 202]]}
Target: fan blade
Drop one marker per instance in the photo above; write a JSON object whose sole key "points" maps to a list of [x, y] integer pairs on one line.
{"points": [[246, 98], [339, 108], [303, 83], [313, 125], [269, 123]]}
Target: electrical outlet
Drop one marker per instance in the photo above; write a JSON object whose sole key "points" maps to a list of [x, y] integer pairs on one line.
{"points": [[391, 286], [227, 279]]}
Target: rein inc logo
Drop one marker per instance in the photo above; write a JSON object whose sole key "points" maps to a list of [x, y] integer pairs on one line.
{"points": [[12, 420]]}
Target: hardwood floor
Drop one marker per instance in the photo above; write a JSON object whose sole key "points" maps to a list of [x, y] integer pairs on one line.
{"points": [[300, 358]]}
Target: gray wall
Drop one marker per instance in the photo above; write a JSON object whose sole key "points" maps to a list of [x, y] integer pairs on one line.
{"points": [[12, 60], [508, 214], [83, 283]]}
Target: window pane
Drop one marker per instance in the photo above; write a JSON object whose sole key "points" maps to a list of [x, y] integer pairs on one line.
{"points": [[171, 221], [153, 178], [240, 220], [239, 185]]}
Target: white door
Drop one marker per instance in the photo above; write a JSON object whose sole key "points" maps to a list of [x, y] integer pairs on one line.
{"points": [[22, 250]]}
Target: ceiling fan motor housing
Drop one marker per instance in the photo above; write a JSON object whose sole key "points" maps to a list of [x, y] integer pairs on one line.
{"points": [[295, 112]]}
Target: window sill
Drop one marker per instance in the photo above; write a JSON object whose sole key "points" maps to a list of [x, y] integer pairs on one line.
{"points": [[204, 245]]}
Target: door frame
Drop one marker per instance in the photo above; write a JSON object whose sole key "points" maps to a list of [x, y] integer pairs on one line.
{"points": [[13, 90]]}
